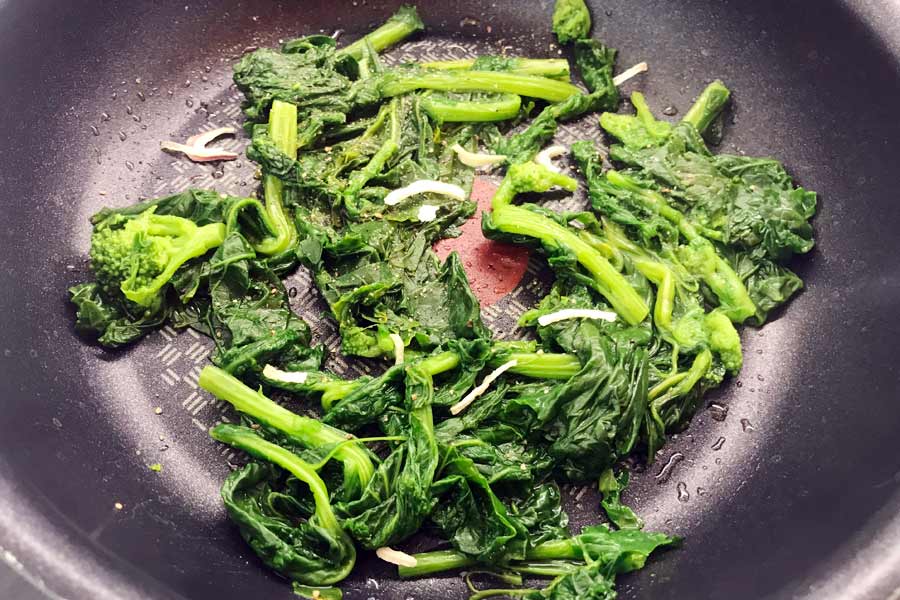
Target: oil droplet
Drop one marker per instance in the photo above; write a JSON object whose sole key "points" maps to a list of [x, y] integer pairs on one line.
{"points": [[104, 116], [137, 118], [141, 96], [129, 165], [718, 444], [218, 174], [701, 491], [129, 110], [94, 130], [670, 111], [718, 412], [468, 22], [122, 136], [115, 95], [207, 68], [683, 494], [666, 471], [292, 292], [187, 83], [189, 103], [746, 425]]}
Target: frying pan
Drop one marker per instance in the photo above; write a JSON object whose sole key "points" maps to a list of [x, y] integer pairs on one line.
{"points": [[800, 500]]}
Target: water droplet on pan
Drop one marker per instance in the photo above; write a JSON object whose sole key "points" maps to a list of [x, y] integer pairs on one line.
{"points": [[718, 412]]}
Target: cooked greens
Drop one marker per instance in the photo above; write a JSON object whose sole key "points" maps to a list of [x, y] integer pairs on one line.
{"points": [[360, 176]]}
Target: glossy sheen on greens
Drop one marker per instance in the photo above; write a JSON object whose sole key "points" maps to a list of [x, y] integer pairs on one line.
{"points": [[475, 436], [306, 545]]}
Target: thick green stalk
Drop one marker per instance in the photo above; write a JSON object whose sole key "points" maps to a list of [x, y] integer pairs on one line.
{"points": [[401, 25], [708, 106], [283, 131], [358, 179], [450, 110], [541, 366], [554, 68], [436, 562], [606, 280], [530, 86], [530, 364], [699, 256], [439, 363], [245, 439], [308, 432]]}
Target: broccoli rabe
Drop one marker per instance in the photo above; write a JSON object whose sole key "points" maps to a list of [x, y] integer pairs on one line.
{"points": [[571, 20], [305, 431], [138, 256], [506, 220], [401, 25], [310, 548], [554, 68]]}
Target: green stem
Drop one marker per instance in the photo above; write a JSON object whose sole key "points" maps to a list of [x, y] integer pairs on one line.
{"points": [[245, 439], [449, 110], [662, 277], [308, 432], [283, 131], [657, 390], [554, 68], [401, 25], [530, 86], [436, 562], [544, 569], [359, 178], [708, 106], [541, 366], [555, 550], [707, 264], [439, 363], [606, 280]]}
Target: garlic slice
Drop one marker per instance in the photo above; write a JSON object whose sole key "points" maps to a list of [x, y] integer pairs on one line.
{"points": [[475, 159], [545, 157], [482, 387], [395, 557], [424, 186], [629, 73], [576, 313], [276, 374]]}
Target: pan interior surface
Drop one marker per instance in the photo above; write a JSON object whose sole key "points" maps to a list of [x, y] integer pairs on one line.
{"points": [[785, 485]]}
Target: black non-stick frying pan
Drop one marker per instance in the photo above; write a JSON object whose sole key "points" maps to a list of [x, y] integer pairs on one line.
{"points": [[794, 493]]}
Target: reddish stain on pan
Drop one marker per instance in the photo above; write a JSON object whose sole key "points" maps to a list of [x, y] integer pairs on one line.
{"points": [[494, 268]]}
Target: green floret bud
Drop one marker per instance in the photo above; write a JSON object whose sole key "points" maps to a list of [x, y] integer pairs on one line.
{"points": [[137, 256]]}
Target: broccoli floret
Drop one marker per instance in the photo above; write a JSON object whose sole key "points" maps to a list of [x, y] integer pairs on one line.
{"points": [[571, 20], [137, 256]]}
